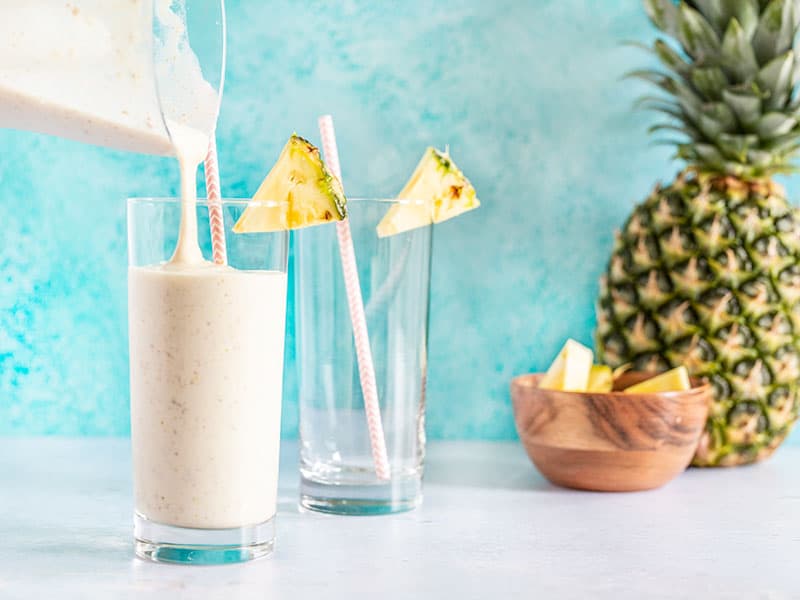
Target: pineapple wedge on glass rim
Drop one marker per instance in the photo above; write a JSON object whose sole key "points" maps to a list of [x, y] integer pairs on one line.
{"points": [[706, 271], [305, 193], [437, 191]]}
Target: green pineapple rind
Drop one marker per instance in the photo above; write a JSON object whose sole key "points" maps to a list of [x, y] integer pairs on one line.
{"points": [[328, 182]]}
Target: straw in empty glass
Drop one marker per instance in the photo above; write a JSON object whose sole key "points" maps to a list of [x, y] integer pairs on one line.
{"points": [[347, 428]]}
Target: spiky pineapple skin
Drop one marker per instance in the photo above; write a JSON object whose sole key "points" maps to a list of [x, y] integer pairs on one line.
{"points": [[706, 273]]}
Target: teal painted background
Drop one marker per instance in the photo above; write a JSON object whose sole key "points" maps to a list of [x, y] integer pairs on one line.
{"points": [[527, 95]]}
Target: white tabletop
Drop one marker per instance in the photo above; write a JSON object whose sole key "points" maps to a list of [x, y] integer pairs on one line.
{"points": [[490, 527]]}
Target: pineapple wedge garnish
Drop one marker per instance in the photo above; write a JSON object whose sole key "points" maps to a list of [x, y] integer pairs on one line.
{"points": [[436, 192], [300, 192], [674, 380], [569, 372], [601, 379]]}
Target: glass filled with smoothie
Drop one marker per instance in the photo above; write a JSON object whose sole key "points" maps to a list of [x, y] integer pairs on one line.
{"points": [[206, 316], [206, 368]]}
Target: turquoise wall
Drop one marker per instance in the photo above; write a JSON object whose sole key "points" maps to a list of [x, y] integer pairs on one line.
{"points": [[526, 93]]}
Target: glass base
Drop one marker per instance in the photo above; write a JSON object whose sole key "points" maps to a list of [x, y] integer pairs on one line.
{"points": [[184, 545], [342, 497]]}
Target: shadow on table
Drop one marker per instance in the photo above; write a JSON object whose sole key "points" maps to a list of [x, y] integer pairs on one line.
{"points": [[495, 468]]}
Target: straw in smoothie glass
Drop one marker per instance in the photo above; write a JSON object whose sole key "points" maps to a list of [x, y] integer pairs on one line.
{"points": [[215, 218], [355, 302]]}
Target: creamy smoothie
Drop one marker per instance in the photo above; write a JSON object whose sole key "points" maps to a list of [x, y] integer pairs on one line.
{"points": [[206, 357], [206, 354], [206, 346]]}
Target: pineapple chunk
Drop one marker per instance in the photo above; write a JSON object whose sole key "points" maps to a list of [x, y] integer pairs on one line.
{"points": [[675, 380], [569, 372], [301, 190], [437, 191], [601, 379]]}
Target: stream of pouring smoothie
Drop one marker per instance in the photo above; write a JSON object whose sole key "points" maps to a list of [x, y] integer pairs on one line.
{"points": [[206, 342], [190, 149]]}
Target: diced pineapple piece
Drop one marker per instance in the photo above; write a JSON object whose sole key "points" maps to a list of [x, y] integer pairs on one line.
{"points": [[601, 379], [570, 370], [674, 380]]}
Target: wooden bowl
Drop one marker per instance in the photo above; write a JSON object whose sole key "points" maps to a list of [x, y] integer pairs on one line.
{"points": [[611, 442]]}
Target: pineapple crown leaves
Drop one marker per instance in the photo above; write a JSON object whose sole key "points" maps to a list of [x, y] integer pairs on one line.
{"points": [[728, 82]]}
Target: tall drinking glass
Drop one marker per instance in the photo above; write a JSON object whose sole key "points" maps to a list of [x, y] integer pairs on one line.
{"points": [[206, 368], [336, 465]]}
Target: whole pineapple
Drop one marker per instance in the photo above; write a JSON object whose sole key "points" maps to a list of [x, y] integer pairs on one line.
{"points": [[706, 271]]}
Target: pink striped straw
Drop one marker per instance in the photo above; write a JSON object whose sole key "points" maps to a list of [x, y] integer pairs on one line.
{"points": [[366, 368], [215, 218]]}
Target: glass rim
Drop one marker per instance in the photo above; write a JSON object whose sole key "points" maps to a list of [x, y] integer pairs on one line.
{"points": [[244, 202], [176, 200]]}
